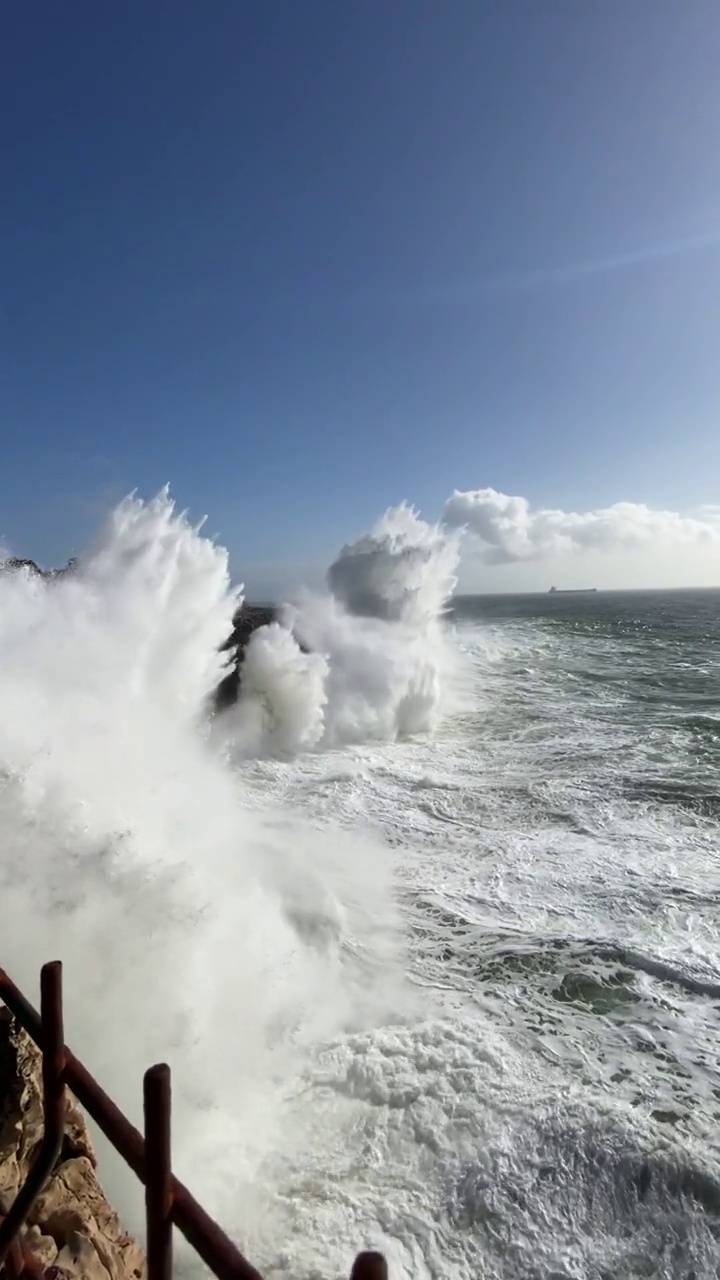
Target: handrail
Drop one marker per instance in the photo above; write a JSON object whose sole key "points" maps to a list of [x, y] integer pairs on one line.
{"points": [[168, 1202], [53, 1068]]}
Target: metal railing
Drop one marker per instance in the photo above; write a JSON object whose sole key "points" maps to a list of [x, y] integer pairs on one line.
{"points": [[168, 1203]]}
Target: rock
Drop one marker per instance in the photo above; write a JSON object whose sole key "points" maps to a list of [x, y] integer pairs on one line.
{"points": [[14, 565], [71, 1228], [247, 620]]}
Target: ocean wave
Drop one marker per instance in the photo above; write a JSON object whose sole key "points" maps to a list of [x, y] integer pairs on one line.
{"points": [[373, 662], [196, 922], [457, 1158]]}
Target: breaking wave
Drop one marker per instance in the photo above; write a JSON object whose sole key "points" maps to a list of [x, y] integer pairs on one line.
{"points": [[193, 921], [322, 1102], [379, 664]]}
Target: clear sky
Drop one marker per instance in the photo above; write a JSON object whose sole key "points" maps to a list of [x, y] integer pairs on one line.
{"points": [[306, 258]]}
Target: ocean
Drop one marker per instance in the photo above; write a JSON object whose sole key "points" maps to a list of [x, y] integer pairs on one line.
{"points": [[427, 927]]}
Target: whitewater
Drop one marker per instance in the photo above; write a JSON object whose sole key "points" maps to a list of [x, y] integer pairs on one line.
{"points": [[425, 926]]}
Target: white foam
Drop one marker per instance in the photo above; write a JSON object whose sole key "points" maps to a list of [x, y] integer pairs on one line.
{"points": [[319, 1105], [195, 923], [388, 665]]}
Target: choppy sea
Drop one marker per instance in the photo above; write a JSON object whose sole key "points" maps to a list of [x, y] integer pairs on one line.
{"points": [[558, 842], [428, 928]]}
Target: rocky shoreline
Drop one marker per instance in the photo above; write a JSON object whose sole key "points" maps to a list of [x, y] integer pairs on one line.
{"points": [[247, 620]]}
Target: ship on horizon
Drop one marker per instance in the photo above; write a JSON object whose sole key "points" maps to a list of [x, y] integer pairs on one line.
{"points": [[571, 591]]}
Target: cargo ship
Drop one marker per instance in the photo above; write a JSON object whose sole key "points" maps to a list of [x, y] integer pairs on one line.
{"points": [[571, 591]]}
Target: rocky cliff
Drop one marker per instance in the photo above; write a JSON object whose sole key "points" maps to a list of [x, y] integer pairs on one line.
{"points": [[72, 1231], [14, 565], [247, 619]]}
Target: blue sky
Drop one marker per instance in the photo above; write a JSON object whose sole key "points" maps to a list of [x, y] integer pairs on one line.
{"points": [[307, 258]]}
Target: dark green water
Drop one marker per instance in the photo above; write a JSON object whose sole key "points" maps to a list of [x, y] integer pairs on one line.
{"points": [[650, 660], [554, 1112], [598, 753]]}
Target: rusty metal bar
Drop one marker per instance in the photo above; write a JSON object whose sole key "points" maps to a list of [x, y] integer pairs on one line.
{"points": [[168, 1201], [369, 1265], [204, 1235], [14, 1263], [158, 1171], [52, 1043]]}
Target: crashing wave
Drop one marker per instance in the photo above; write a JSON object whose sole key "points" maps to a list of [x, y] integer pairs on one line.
{"points": [[367, 659]]}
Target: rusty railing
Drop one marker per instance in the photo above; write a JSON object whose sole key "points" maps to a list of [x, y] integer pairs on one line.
{"points": [[168, 1203]]}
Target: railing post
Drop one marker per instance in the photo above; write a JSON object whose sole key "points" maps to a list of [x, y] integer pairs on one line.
{"points": [[166, 1199], [369, 1265], [158, 1171], [53, 1068]]}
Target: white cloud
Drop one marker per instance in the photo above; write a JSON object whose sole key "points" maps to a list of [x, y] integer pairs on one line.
{"points": [[508, 529], [511, 546]]}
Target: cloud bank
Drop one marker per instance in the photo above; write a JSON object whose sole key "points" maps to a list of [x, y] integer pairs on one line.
{"points": [[508, 530]]}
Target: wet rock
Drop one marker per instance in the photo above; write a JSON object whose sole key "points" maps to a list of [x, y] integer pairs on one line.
{"points": [[15, 565], [246, 621]]}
